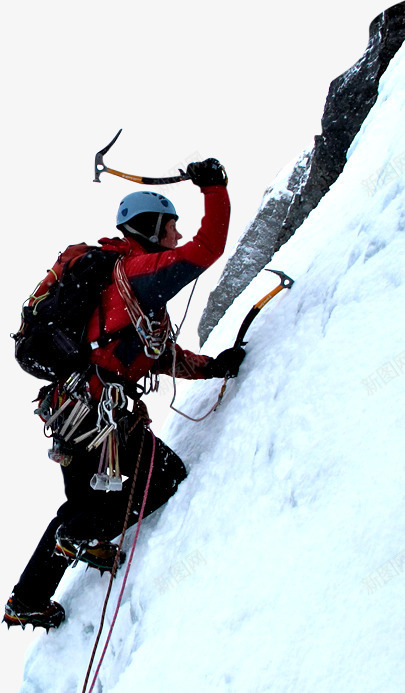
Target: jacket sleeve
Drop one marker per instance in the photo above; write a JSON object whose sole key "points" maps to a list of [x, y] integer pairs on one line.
{"points": [[157, 277], [188, 365]]}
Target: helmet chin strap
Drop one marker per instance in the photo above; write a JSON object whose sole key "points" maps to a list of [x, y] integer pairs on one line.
{"points": [[133, 232], [154, 238]]}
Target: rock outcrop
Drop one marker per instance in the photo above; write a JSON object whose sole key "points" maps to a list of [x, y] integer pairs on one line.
{"points": [[288, 202]]}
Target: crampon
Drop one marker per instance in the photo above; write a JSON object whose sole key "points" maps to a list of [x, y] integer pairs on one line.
{"points": [[97, 554], [46, 616]]}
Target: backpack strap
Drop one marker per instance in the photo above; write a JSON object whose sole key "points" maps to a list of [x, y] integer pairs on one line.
{"points": [[65, 259]]}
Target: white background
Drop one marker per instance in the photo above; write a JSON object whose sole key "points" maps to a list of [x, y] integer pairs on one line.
{"points": [[245, 83]]}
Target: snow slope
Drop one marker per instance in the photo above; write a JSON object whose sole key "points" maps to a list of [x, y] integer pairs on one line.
{"points": [[280, 563]]}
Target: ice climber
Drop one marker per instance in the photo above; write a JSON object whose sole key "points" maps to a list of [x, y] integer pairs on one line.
{"points": [[130, 339]]}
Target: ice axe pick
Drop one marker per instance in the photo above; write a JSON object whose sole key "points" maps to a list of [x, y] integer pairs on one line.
{"points": [[100, 167]]}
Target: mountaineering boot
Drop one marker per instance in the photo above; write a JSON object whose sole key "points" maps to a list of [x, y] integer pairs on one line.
{"points": [[49, 615], [97, 554]]}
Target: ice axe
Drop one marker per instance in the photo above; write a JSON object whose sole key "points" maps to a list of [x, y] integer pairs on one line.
{"points": [[100, 167], [285, 283]]}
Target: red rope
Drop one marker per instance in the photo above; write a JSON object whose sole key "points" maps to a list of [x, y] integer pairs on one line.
{"points": [[124, 582]]}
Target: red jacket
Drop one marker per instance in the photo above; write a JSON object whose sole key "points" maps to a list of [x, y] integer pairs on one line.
{"points": [[155, 278]]}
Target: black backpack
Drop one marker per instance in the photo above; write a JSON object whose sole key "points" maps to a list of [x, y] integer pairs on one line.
{"points": [[50, 343]]}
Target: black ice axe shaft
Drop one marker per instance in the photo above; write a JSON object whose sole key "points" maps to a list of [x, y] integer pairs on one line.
{"points": [[100, 167], [285, 283]]}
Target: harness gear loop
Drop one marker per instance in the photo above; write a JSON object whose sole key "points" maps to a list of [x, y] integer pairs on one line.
{"points": [[76, 396]]}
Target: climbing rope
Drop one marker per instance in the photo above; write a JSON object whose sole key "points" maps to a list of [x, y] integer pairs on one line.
{"points": [[182, 413], [152, 333], [173, 348], [116, 561]]}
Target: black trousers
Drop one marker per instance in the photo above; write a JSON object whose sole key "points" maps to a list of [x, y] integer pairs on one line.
{"points": [[89, 514]]}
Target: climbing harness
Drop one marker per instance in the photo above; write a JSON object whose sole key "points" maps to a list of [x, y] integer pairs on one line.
{"points": [[75, 405], [99, 167], [63, 424]]}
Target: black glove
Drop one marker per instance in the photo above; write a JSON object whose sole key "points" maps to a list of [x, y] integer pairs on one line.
{"points": [[208, 172], [226, 364]]}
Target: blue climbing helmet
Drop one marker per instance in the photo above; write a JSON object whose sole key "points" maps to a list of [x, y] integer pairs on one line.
{"points": [[145, 213]]}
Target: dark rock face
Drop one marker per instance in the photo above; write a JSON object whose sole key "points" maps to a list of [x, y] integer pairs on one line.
{"points": [[350, 98], [252, 252]]}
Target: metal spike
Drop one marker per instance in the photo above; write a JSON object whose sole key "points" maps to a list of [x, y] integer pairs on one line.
{"points": [[85, 435], [58, 412], [101, 436], [78, 421], [79, 411]]}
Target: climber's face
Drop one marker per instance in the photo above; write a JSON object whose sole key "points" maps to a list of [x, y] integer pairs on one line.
{"points": [[171, 236]]}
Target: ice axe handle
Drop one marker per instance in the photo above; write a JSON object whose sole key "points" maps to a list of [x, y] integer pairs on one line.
{"points": [[285, 283]]}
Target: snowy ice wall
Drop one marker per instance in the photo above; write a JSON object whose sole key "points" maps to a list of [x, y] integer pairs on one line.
{"points": [[280, 563]]}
